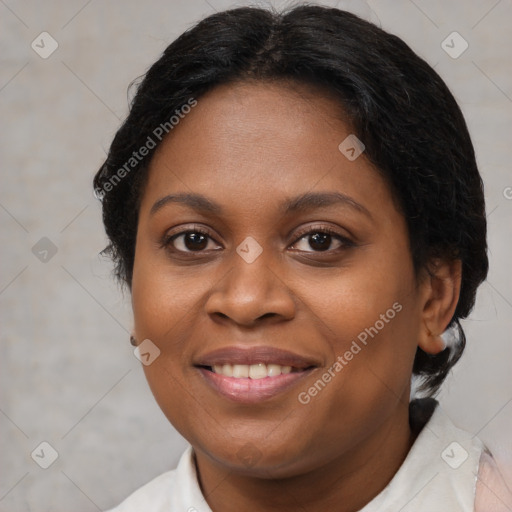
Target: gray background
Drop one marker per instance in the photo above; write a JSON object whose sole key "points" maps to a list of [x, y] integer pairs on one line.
{"points": [[68, 375]]}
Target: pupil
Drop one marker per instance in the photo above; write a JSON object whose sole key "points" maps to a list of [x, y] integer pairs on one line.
{"points": [[195, 241], [320, 241]]}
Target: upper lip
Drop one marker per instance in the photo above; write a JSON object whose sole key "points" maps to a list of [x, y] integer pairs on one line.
{"points": [[254, 355]]}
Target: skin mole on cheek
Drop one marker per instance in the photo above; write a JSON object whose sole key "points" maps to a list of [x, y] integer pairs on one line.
{"points": [[296, 260]]}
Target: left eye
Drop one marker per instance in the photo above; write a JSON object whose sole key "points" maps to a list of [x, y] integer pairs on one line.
{"points": [[320, 241], [191, 241]]}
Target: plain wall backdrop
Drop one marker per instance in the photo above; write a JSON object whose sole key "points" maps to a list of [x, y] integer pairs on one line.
{"points": [[68, 373]]}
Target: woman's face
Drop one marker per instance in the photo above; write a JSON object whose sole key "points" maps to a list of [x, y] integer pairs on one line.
{"points": [[296, 256]]}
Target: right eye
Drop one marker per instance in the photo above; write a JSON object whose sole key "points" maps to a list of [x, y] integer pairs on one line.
{"points": [[190, 241]]}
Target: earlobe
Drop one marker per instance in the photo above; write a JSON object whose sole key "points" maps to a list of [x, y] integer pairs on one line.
{"points": [[432, 343], [442, 288]]}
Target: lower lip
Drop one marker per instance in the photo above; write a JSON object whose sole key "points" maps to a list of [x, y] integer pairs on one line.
{"points": [[250, 391]]}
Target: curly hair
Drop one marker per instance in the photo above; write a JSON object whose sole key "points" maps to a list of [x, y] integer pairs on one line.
{"points": [[413, 130]]}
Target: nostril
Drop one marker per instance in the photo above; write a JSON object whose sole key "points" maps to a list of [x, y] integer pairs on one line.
{"points": [[266, 315]]}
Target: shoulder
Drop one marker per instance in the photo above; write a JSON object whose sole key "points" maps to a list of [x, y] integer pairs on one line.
{"points": [[155, 494], [492, 492], [171, 491]]}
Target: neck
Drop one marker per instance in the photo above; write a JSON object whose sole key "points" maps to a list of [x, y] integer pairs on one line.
{"points": [[346, 483]]}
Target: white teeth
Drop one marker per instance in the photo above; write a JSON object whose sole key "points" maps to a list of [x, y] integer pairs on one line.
{"points": [[253, 371], [240, 371], [257, 371], [273, 370], [224, 369]]}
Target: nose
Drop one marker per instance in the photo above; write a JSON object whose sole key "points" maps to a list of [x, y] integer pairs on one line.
{"points": [[251, 293]]}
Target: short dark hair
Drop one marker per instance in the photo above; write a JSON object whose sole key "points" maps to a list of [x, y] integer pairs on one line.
{"points": [[410, 123]]}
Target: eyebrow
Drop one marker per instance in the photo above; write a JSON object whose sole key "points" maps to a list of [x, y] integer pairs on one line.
{"points": [[195, 201], [305, 202], [311, 200]]}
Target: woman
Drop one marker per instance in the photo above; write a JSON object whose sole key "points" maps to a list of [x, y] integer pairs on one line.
{"points": [[294, 204]]}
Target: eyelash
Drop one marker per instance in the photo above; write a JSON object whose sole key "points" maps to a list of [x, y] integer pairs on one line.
{"points": [[345, 241], [169, 238], [324, 230]]}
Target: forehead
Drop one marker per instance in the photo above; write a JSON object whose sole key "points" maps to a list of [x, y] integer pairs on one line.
{"points": [[251, 144]]}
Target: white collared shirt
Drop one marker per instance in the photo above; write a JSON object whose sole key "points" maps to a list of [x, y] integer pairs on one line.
{"points": [[446, 470]]}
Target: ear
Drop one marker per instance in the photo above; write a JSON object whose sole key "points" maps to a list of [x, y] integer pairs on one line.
{"points": [[441, 288]]}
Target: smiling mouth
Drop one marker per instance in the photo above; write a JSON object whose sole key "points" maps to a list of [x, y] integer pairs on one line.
{"points": [[253, 371], [249, 375], [252, 383]]}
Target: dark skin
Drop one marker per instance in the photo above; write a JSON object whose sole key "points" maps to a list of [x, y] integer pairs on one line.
{"points": [[249, 148]]}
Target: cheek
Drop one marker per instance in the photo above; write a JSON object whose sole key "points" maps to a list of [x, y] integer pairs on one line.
{"points": [[363, 299], [368, 316], [163, 313], [369, 332], [163, 300]]}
